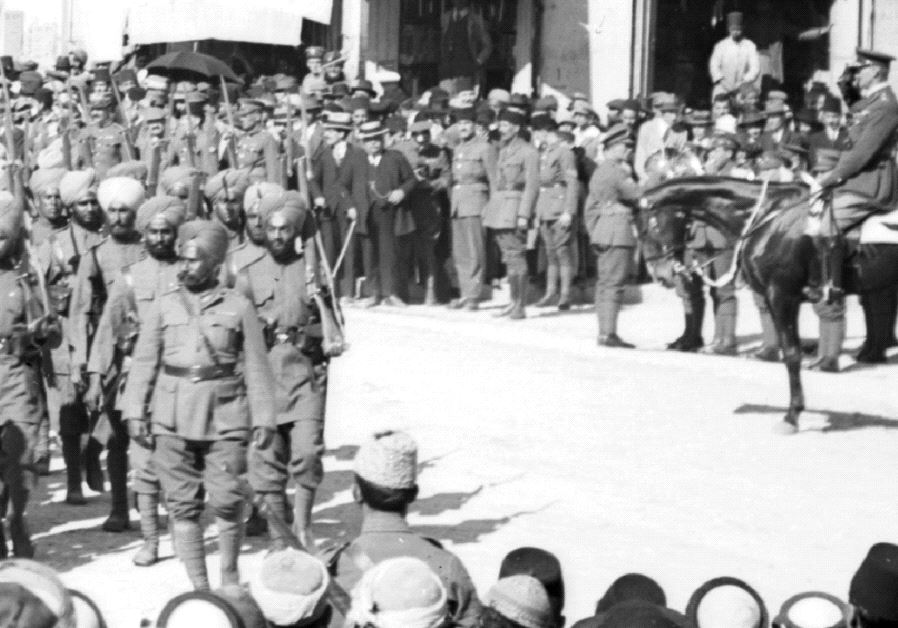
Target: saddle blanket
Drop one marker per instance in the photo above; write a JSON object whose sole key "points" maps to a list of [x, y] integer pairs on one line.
{"points": [[880, 229]]}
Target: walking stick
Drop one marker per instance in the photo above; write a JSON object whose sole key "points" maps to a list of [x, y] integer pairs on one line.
{"points": [[343, 250]]}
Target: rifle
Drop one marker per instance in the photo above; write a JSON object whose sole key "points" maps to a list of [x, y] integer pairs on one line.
{"points": [[129, 145], [231, 148], [194, 196], [153, 168], [10, 133], [191, 139], [289, 139]]}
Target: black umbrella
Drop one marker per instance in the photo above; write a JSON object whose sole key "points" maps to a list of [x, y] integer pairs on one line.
{"points": [[195, 62]]}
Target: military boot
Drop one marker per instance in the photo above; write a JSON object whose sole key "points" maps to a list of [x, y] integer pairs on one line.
{"points": [[117, 465], [832, 334], [519, 311], [513, 295], [230, 535], [71, 456], [277, 505], [679, 343], [148, 507], [303, 501], [188, 538], [551, 295], [566, 278], [725, 331], [18, 529], [93, 472], [769, 351]]}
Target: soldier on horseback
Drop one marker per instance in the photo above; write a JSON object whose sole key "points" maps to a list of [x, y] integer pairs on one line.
{"points": [[864, 180]]}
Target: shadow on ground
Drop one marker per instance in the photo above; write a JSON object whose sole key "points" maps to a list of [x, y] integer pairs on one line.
{"points": [[835, 421]]}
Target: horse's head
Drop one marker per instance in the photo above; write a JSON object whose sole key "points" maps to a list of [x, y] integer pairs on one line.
{"points": [[662, 229]]}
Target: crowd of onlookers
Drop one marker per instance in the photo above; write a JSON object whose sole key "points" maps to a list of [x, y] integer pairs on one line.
{"points": [[390, 577]]}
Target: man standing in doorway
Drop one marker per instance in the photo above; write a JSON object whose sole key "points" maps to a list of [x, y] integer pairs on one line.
{"points": [[465, 45], [734, 61]]}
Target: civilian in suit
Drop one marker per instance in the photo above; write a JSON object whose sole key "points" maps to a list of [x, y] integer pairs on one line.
{"points": [[833, 136], [658, 133], [386, 217], [776, 132], [338, 187]]}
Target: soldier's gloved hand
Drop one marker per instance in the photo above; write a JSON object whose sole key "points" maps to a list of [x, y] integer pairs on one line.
{"points": [[262, 437], [522, 224], [139, 432], [319, 201], [395, 197], [352, 214], [94, 395], [564, 220]]}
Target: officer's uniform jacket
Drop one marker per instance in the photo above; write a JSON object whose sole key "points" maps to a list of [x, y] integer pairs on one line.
{"points": [[281, 297], [97, 270], [387, 535], [868, 166], [258, 152], [130, 296], [558, 185], [59, 255], [205, 148], [19, 389], [608, 212], [515, 187], [211, 330], [473, 165], [101, 146]]}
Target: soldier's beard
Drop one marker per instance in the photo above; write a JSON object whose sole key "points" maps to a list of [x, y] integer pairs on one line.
{"points": [[90, 219], [161, 250], [281, 249]]}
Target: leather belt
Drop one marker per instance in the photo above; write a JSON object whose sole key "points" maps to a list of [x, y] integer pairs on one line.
{"points": [[553, 186], [200, 373], [287, 335], [514, 187]]}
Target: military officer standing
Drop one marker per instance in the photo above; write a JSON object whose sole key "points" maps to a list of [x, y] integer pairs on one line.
{"points": [[314, 83], [98, 269], [257, 150], [22, 323], [201, 354], [473, 166], [609, 218], [102, 140], [130, 296], [195, 144], [280, 285], [512, 205], [556, 209]]}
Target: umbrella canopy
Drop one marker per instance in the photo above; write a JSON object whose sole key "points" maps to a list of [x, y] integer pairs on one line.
{"points": [[196, 62]]}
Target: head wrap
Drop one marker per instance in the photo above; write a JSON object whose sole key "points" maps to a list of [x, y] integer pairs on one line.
{"points": [[388, 459], [523, 600], [120, 192], [169, 207], [289, 204], [75, 184], [542, 565], [399, 593], [254, 193], [812, 609], [46, 179], [51, 156], [231, 180], [209, 236], [43, 583], [175, 177], [632, 586], [726, 601], [290, 587], [136, 169]]}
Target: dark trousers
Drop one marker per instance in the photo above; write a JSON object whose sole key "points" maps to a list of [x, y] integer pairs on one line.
{"points": [[187, 467], [379, 252], [294, 453], [469, 254], [513, 244], [723, 298], [613, 265]]}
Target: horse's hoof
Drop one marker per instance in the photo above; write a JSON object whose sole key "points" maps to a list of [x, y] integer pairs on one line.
{"points": [[784, 428]]}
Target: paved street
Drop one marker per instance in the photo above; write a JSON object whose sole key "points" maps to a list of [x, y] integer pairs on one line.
{"points": [[616, 460]]}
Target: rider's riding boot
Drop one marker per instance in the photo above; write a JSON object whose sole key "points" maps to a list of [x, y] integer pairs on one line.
{"points": [[832, 333], [818, 269], [188, 538], [71, 456], [836, 258], [551, 287], [117, 466], [677, 345], [878, 331]]}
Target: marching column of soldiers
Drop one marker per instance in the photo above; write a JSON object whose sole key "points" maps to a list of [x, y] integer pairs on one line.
{"points": [[174, 257]]}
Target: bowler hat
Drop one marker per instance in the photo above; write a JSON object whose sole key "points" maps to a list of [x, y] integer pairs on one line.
{"points": [[874, 584], [314, 52], [371, 130], [363, 85]]}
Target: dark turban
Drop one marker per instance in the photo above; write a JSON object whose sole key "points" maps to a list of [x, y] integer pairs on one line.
{"points": [[169, 207]]}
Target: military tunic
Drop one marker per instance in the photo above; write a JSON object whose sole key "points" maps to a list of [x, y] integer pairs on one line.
{"points": [[473, 165], [205, 148], [279, 293], [101, 147], [258, 152], [203, 355], [513, 197], [558, 194]]}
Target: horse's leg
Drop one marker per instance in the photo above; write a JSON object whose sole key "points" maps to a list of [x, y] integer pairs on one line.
{"points": [[784, 309]]}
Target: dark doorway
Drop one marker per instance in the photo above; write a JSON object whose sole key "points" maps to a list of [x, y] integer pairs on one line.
{"points": [[686, 31]]}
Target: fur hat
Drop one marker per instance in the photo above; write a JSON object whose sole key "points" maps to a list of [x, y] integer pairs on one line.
{"points": [[388, 459]]}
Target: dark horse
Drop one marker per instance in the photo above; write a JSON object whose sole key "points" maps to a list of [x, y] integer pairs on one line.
{"points": [[766, 224]]}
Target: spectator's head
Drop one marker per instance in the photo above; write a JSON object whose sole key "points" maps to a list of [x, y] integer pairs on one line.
{"points": [[542, 565], [872, 67], [734, 25], [545, 130], [337, 126], [629, 114], [464, 122], [230, 607], [290, 589], [726, 603], [776, 116], [313, 59], [399, 593], [831, 112], [386, 470], [632, 586], [721, 106], [519, 602], [619, 143], [640, 614], [32, 595], [510, 123], [812, 610], [874, 588]]}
